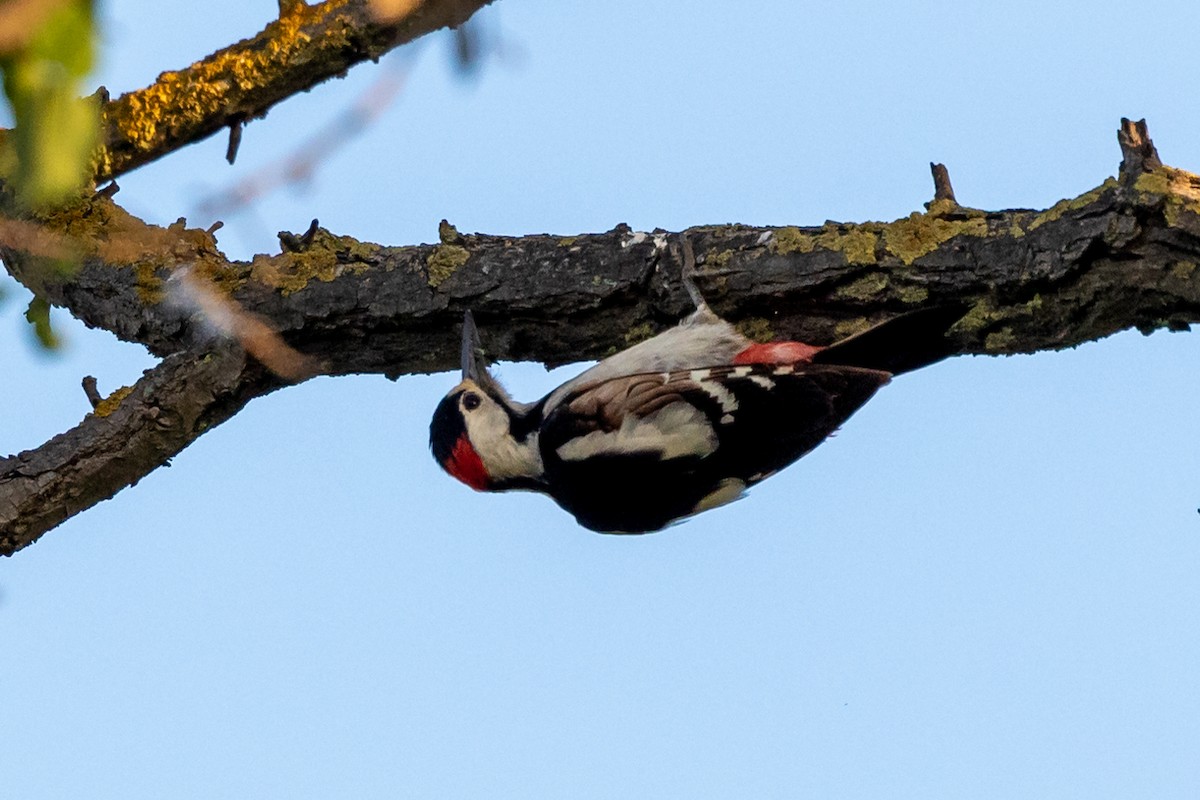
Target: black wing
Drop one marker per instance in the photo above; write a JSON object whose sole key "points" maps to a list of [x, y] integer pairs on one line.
{"points": [[633, 454]]}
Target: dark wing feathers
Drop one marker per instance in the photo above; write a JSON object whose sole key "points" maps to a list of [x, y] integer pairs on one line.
{"points": [[634, 453]]}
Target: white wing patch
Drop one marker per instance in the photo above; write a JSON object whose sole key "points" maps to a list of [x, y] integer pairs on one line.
{"points": [[762, 380], [674, 431], [716, 391]]}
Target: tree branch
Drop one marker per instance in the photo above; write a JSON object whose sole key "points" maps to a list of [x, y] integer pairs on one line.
{"points": [[1122, 255], [305, 46], [132, 432]]}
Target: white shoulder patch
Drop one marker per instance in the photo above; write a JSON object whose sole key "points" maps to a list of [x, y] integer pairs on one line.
{"points": [[674, 431]]}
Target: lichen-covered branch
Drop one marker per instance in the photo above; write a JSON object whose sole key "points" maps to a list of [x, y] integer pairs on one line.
{"points": [[305, 46], [1122, 255], [129, 434]]}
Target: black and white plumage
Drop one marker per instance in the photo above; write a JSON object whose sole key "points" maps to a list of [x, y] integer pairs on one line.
{"points": [[678, 424]]}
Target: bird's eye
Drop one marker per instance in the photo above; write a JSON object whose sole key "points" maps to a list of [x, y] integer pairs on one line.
{"points": [[471, 401]]}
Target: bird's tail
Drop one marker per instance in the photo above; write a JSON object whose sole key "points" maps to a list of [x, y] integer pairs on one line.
{"points": [[910, 341]]}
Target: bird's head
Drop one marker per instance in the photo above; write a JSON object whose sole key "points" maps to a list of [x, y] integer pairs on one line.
{"points": [[479, 434]]}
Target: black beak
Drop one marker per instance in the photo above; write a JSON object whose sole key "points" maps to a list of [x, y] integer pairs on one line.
{"points": [[471, 349]]}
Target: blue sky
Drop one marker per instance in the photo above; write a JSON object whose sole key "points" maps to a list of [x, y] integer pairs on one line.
{"points": [[985, 586]]}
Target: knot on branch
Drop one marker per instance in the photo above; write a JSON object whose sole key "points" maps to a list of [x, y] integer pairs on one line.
{"points": [[1138, 154]]}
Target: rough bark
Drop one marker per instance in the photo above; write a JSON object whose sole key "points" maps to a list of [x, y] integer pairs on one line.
{"points": [[1122, 255], [305, 46], [135, 430]]}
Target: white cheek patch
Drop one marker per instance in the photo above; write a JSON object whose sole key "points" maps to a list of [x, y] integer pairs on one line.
{"points": [[675, 431], [502, 456]]}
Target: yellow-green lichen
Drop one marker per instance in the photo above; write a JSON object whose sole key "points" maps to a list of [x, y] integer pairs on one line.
{"points": [[448, 234], [1183, 270], [912, 295], [1000, 340], [109, 404], [121, 240], [221, 274], [148, 285], [638, 333], [756, 329], [181, 102], [719, 260], [1179, 190], [1154, 182], [291, 272], [944, 207], [1070, 204], [567, 241], [868, 287], [981, 315], [792, 240], [856, 244], [919, 234], [849, 327], [444, 261], [323, 259]]}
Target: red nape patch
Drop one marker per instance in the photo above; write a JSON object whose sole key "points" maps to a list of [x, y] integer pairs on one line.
{"points": [[777, 353], [464, 463]]}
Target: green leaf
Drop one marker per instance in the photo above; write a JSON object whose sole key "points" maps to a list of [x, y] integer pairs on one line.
{"points": [[38, 315], [56, 130]]}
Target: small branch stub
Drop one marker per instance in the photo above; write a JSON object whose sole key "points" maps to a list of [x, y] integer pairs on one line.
{"points": [[448, 234], [235, 140], [89, 389], [108, 190], [942, 190], [291, 243], [1138, 154]]}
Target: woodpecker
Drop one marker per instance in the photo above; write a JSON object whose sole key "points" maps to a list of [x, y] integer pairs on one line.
{"points": [[681, 423]]}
